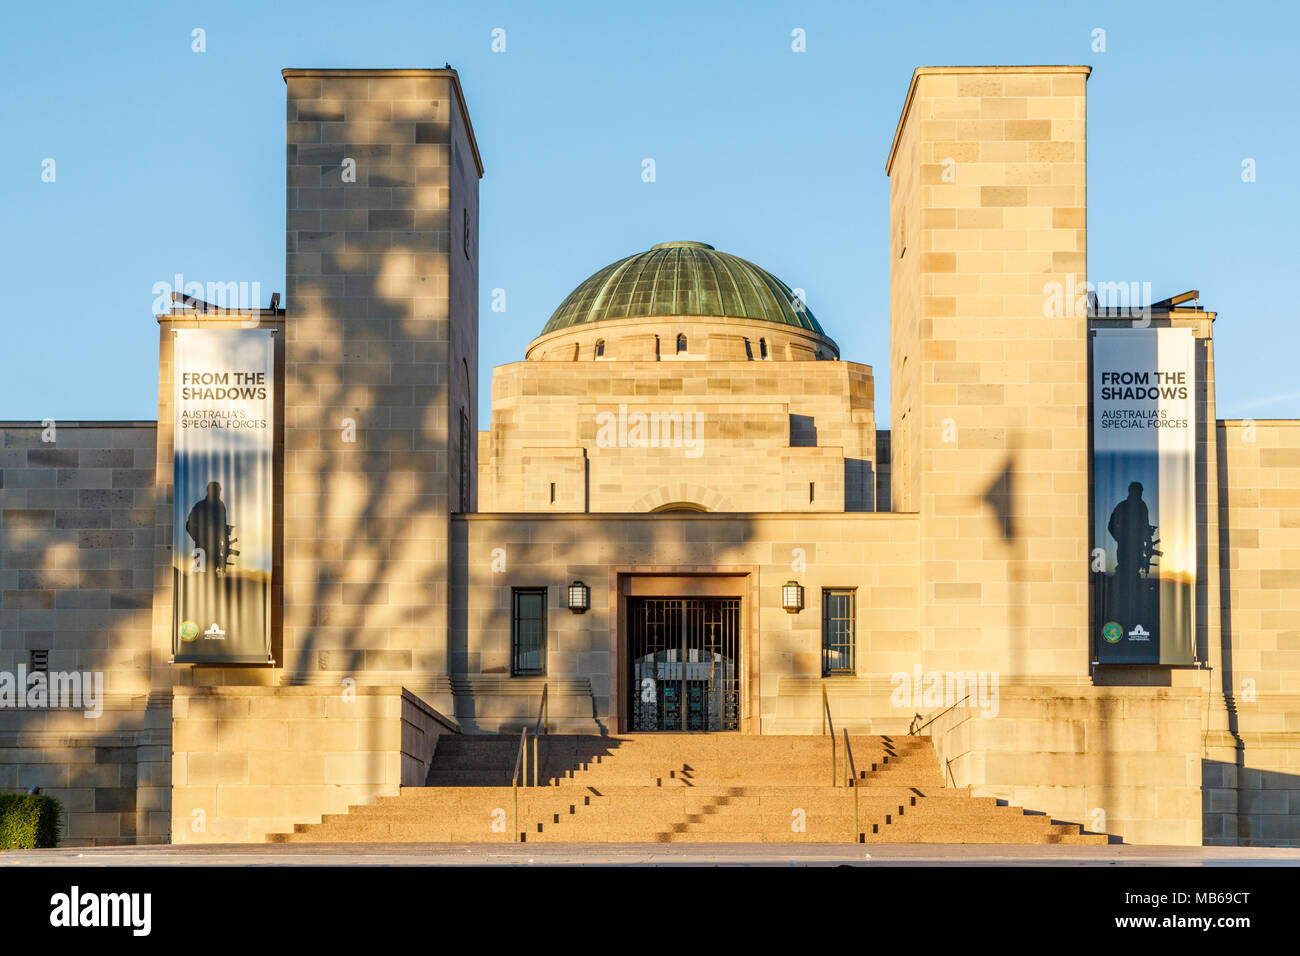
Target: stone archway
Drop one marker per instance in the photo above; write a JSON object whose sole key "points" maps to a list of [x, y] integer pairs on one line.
{"points": [[683, 496]]}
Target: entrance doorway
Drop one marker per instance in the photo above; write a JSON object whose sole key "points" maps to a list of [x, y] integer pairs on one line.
{"points": [[684, 663]]}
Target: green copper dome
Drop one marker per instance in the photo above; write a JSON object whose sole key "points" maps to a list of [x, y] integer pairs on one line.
{"points": [[682, 278]]}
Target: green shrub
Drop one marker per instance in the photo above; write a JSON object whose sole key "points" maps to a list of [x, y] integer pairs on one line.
{"points": [[29, 821]]}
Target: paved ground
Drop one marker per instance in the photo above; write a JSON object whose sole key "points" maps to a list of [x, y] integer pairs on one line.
{"points": [[650, 854]]}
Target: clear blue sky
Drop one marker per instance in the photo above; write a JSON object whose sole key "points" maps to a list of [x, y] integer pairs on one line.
{"points": [[170, 161]]}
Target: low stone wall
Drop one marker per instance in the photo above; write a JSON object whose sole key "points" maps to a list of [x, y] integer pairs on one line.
{"points": [[248, 761], [92, 774], [1126, 760], [489, 704], [421, 728]]}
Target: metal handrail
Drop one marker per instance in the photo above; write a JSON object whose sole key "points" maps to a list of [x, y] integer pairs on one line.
{"points": [[520, 775], [853, 781], [514, 777], [826, 720], [543, 710], [913, 729]]}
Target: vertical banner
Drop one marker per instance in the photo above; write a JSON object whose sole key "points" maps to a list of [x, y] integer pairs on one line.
{"points": [[223, 469], [1144, 495]]}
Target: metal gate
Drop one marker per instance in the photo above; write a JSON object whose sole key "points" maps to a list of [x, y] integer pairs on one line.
{"points": [[684, 663]]}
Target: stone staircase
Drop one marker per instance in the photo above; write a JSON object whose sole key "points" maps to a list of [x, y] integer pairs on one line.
{"points": [[667, 788]]}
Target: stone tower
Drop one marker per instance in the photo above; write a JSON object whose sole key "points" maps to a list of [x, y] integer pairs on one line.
{"points": [[381, 352], [989, 364]]}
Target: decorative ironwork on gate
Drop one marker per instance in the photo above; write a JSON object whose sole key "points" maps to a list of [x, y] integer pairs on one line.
{"points": [[684, 663]]}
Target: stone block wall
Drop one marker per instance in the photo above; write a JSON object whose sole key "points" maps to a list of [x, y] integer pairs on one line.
{"points": [[248, 761], [1253, 788], [463, 374], [76, 540], [729, 447], [1123, 760], [875, 553], [884, 470]]}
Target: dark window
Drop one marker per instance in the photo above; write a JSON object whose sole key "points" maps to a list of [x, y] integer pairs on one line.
{"points": [[681, 343], [528, 631], [839, 628], [762, 348], [600, 349]]}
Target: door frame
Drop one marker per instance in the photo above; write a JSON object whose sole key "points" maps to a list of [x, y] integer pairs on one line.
{"points": [[737, 581]]}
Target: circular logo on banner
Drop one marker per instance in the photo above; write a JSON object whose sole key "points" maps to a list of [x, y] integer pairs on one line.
{"points": [[1112, 632], [190, 630]]}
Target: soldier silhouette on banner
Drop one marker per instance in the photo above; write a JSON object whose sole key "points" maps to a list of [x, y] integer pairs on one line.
{"points": [[207, 526], [1131, 528]]}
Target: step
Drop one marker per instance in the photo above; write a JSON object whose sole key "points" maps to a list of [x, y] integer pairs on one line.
{"points": [[670, 788], [977, 831], [967, 836], [476, 781], [469, 795], [669, 743], [643, 830]]}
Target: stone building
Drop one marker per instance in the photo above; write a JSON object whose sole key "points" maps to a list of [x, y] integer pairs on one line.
{"points": [[683, 517]]}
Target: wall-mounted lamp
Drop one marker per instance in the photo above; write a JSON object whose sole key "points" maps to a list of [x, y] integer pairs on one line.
{"points": [[792, 596], [579, 597]]}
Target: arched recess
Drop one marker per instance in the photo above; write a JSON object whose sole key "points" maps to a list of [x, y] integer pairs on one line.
{"points": [[683, 496], [468, 435]]}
